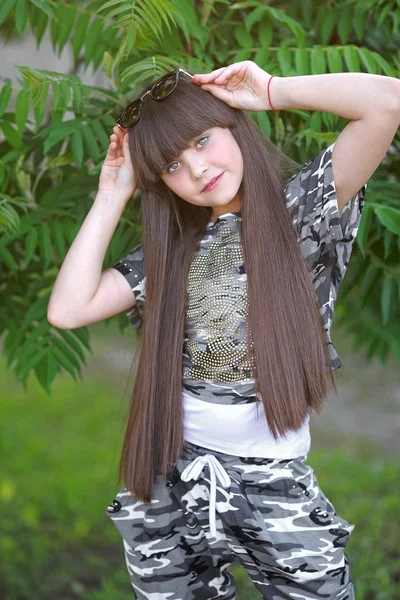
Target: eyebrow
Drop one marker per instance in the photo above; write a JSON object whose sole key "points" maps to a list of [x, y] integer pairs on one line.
{"points": [[197, 137]]}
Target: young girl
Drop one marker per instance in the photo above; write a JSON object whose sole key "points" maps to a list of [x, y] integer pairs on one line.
{"points": [[233, 287]]}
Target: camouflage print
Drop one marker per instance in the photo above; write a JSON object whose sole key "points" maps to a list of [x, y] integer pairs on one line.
{"points": [[273, 519]]}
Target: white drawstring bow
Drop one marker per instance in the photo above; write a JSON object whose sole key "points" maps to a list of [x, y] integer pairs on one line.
{"points": [[217, 471]]}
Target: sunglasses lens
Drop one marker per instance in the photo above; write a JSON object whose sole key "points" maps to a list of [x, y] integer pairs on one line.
{"points": [[164, 86], [130, 115]]}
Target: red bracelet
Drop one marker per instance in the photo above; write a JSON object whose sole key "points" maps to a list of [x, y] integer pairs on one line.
{"points": [[269, 96]]}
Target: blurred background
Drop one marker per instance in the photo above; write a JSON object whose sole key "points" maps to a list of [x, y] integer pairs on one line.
{"points": [[60, 455], [64, 395]]}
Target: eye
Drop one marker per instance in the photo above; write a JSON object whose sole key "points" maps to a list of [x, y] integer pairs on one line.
{"points": [[201, 146]]}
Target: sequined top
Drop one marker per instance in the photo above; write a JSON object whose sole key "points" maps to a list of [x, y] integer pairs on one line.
{"points": [[214, 366]]}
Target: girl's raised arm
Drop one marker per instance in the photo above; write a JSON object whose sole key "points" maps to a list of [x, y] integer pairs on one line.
{"points": [[82, 293]]}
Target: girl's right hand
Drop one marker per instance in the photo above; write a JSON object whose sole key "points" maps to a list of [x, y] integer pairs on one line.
{"points": [[117, 173]]}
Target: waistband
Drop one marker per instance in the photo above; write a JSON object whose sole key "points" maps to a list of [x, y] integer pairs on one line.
{"points": [[193, 460]]}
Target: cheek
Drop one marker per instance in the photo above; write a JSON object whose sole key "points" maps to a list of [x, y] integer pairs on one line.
{"points": [[178, 184]]}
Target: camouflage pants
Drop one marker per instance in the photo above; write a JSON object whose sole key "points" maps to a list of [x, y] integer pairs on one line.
{"points": [[270, 515]]}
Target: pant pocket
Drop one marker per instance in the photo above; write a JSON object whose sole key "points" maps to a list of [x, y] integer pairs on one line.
{"points": [[310, 507]]}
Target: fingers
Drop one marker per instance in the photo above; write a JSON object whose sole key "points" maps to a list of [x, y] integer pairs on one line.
{"points": [[219, 75], [117, 138], [208, 77]]}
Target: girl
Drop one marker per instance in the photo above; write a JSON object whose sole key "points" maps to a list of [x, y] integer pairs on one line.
{"points": [[233, 287]]}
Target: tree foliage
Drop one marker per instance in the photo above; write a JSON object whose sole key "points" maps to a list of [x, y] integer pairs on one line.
{"points": [[55, 139]]}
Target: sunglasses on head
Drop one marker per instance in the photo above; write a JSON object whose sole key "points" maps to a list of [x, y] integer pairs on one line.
{"points": [[159, 90]]}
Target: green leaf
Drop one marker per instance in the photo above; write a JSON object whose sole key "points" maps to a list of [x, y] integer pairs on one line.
{"points": [[280, 129], [83, 336], [29, 364], [5, 9], [262, 57], [301, 57], [334, 60], [284, 59], [327, 25], [352, 59], [73, 344], [368, 284], [77, 97], [7, 258], [51, 369], [68, 226], [55, 26], [255, 16], [108, 63], [12, 135], [63, 360], [345, 25], [388, 291], [9, 219], [368, 59], [387, 240], [69, 15], [40, 26], [5, 96], [264, 123], [30, 245], [65, 89], [318, 65], [109, 4], [45, 245], [90, 141], [265, 33], [243, 38], [45, 7], [77, 147], [292, 24], [38, 112], [360, 19], [79, 34], [59, 133], [21, 16], [364, 227], [100, 133], [65, 349], [56, 94], [93, 37], [58, 237], [383, 13], [389, 217], [39, 331], [385, 66], [36, 312], [242, 54], [21, 109]]}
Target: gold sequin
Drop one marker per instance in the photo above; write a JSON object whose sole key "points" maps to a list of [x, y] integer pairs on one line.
{"points": [[217, 308]]}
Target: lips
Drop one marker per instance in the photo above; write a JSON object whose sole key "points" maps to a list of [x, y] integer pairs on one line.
{"points": [[211, 182]]}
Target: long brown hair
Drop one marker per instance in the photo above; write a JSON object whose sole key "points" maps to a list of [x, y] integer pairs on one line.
{"points": [[286, 341]]}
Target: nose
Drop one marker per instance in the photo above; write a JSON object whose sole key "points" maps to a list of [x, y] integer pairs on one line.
{"points": [[198, 171], [197, 166]]}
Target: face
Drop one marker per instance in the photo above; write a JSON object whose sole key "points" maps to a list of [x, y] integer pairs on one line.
{"points": [[214, 152]]}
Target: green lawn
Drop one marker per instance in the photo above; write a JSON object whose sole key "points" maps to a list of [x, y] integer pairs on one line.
{"points": [[59, 459]]}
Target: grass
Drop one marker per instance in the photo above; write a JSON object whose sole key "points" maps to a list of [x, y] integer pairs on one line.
{"points": [[60, 455]]}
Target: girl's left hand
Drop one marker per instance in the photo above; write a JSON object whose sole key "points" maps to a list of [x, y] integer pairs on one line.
{"points": [[241, 85]]}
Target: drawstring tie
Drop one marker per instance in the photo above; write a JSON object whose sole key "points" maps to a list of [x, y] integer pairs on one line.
{"points": [[217, 471]]}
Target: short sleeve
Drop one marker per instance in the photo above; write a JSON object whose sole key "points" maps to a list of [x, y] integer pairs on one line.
{"points": [[132, 268], [312, 204]]}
